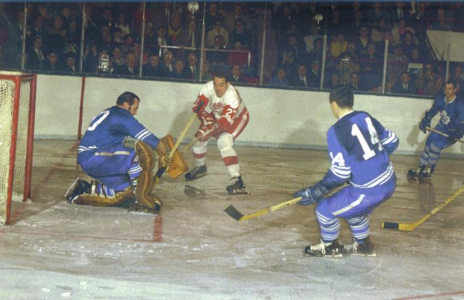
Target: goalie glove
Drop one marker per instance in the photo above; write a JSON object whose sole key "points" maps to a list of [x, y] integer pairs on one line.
{"points": [[311, 195], [207, 131], [200, 104]]}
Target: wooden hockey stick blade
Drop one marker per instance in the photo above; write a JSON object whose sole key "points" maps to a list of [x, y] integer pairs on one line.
{"points": [[443, 134], [234, 213], [412, 226]]}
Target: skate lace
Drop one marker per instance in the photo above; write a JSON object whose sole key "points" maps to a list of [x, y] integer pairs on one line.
{"points": [[351, 248], [319, 247]]}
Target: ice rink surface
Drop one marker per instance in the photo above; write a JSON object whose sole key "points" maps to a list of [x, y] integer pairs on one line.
{"points": [[193, 250]]}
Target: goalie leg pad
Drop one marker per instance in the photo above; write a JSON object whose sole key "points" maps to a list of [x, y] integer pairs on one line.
{"points": [[96, 199], [146, 180]]}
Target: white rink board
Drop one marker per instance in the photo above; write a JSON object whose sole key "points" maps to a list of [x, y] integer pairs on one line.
{"points": [[278, 118]]}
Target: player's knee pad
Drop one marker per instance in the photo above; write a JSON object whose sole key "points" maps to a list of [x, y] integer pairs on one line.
{"points": [[225, 142], [100, 199], [145, 155]]}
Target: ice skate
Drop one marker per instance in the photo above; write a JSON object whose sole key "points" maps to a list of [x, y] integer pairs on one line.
{"points": [[414, 173], [425, 174], [323, 249], [78, 187], [237, 187], [196, 173], [356, 249]]}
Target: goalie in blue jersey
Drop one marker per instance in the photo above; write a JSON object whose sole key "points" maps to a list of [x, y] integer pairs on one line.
{"points": [[118, 170], [359, 148]]}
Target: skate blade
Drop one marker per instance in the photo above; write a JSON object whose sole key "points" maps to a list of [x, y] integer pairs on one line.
{"points": [[364, 254], [337, 255], [72, 187], [233, 192]]}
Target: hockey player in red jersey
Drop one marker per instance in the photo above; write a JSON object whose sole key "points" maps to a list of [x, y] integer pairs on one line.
{"points": [[226, 121]]}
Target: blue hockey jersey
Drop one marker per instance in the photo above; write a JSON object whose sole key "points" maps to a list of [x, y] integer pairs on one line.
{"points": [[451, 114], [359, 148], [111, 128]]}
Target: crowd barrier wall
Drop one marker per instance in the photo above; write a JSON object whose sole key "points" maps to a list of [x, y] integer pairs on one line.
{"points": [[278, 118]]}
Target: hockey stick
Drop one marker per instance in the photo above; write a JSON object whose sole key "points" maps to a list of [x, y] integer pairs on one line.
{"points": [[179, 140], [412, 226], [234, 213], [186, 148], [443, 134]]}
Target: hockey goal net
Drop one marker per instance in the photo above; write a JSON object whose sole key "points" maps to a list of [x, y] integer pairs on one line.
{"points": [[17, 111]]}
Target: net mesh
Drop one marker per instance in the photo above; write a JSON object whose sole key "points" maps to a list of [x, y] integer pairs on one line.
{"points": [[7, 100]]}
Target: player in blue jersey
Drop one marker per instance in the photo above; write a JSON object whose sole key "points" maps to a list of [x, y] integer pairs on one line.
{"points": [[451, 110], [118, 169], [359, 148]]}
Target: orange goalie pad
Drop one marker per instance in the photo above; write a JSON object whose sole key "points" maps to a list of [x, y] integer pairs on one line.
{"points": [[178, 166]]}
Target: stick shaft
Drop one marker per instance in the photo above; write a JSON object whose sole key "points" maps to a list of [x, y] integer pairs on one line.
{"points": [[443, 134], [269, 209]]}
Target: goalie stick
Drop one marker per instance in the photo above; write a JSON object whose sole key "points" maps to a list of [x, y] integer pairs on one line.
{"points": [[412, 226], [234, 213]]}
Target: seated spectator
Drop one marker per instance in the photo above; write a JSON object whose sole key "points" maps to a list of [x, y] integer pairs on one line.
{"points": [[104, 64], [352, 50], [405, 86], [35, 55], [334, 81], [230, 20], [280, 78], [206, 75], [236, 75], [314, 74], [153, 67], [168, 62], [371, 68], [217, 30], [429, 74], [338, 46], [300, 79], [288, 63], [217, 58], [105, 40], [441, 21], [90, 57], [415, 57], [190, 36], [55, 39], [70, 63], [117, 37], [435, 88], [51, 63], [240, 33], [377, 31], [398, 32], [117, 58], [73, 36], [346, 66], [238, 58], [193, 71], [397, 62], [355, 82], [316, 53], [175, 28], [296, 47], [162, 39], [458, 77], [409, 42], [362, 40], [179, 70], [123, 24], [130, 68], [309, 39]]}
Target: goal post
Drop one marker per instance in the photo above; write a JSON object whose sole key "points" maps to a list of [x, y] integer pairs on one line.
{"points": [[17, 114]]}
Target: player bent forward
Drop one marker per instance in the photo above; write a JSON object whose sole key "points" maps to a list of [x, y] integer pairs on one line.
{"points": [[359, 148], [118, 170], [226, 121], [451, 110]]}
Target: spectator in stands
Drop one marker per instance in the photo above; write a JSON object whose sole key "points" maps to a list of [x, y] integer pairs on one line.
{"points": [[106, 17], [399, 13], [377, 31], [117, 57], [73, 36], [316, 53], [70, 63], [356, 25], [100, 67], [397, 62], [380, 46], [190, 36], [338, 46], [237, 14], [314, 74], [288, 63], [238, 32], [405, 85], [458, 77], [300, 79], [352, 50], [212, 15], [441, 21], [408, 43], [35, 55], [240, 57], [105, 40], [55, 39], [193, 71], [205, 73], [168, 62], [398, 32], [162, 15], [429, 74], [217, 30], [371, 68], [153, 67], [217, 58], [14, 41], [346, 66], [51, 63], [90, 57], [235, 75], [375, 14], [415, 57], [362, 41], [37, 29], [123, 24], [457, 12], [117, 38], [356, 83], [179, 70], [435, 88], [162, 39], [92, 31], [334, 81], [130, 68], [175, 28], [335, 26], [280, 78]]}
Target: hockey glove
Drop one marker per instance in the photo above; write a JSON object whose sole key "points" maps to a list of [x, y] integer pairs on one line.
{"points": [[206, 118], [424, 124], [311, 195], [200, 104], [207, 131]]}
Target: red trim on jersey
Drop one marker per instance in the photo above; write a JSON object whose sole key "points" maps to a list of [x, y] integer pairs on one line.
{"points": [[199, 155], [230, 160]]}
